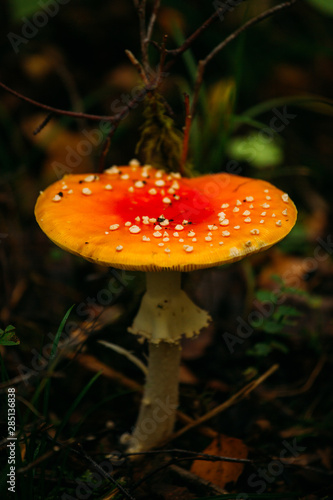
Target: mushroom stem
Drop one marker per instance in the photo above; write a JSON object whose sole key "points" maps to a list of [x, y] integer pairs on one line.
{"points": [[164, 284], [165, 314], [160, 400]]}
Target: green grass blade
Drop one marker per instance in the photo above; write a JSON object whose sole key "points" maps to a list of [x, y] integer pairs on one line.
{"points": [[76, 402], [303, 101], [59, 332], [52, 357], [246, 120]]}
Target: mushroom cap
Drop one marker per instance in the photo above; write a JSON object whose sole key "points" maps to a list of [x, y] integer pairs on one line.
{"points": [[140, 218]]}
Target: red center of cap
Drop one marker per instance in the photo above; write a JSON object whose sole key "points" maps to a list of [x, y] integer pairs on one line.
{"points": [[192, 206]]}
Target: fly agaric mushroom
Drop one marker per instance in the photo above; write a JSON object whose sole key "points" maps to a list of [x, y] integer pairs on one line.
{"points": [[140, 218]]}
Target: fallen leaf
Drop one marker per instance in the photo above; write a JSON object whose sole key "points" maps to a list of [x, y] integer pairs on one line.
{"points": [[23, 450], [186, 376], [222, 473]]}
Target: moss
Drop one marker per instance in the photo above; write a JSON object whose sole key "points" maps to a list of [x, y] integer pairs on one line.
{"points": [[161, 142]]}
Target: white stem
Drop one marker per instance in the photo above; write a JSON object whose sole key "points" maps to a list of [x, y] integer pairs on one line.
{"points": [[165, 314], [160, 400], [163, 284]]}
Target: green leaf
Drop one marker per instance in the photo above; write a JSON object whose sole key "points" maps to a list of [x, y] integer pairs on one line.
{"points": [[9, 328], [256, 149], [266, 296], [271, 326], [285, 310], [323, 5], [262, 349], [259, 349], [279, 346], [8, 337], [22, 8]]}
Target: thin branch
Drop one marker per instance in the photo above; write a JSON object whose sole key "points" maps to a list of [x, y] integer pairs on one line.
{"points": [[78, 450], [112, 119], [216, 458], [162, 58], [57, 111], [145, 34], [137, 65], [241, 394], [152, 20], [203, 63], [195, 482], [105, 150], [264, 15], [155, 44], [203, 457], [188, 42], [43, 124], [197, 86], [191, 454], [141, 9], [187, 128], [219, 458], [105, 474]]}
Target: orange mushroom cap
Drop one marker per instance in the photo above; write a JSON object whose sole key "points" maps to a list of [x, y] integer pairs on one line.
{"points": [[140, 218]]}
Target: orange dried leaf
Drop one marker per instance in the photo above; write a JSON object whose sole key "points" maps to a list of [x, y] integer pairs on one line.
{"points": [[222, 473]]}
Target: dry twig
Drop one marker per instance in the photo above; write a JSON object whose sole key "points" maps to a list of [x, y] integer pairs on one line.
{"points": [[151, 23], [141, 10], [189, 41], [245, 391], [137, 65], [111, 118], [187, 128]]}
